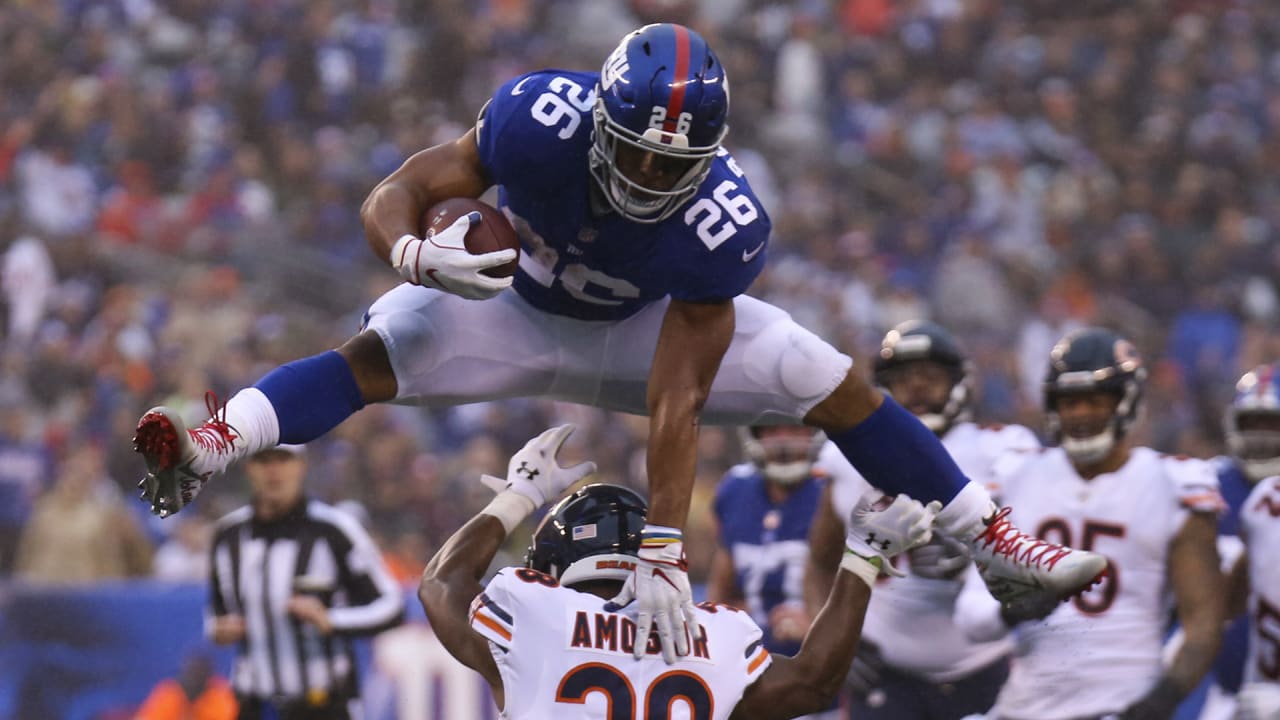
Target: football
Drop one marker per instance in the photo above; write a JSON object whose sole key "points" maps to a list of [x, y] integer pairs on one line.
{"points": [[492, 233]]}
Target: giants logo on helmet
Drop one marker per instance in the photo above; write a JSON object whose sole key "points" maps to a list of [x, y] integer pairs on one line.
{"points": [[616, 67]]}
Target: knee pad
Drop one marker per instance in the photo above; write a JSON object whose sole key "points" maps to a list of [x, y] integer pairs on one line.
{"points": [[798, 363]]}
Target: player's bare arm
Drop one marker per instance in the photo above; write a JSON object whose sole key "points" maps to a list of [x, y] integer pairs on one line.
{"points": [[451, 580], [806, 683], [449, 584], [825, 533], [1194, 573], [395, 206], [692, 343], [1236, 602]]}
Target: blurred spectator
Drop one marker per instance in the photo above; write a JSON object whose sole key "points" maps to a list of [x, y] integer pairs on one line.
{"points": [[80, 531], [197, 693], [184, 557]]}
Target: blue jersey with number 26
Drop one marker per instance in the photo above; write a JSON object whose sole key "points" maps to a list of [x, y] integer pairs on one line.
{"points": [[534, 137]]}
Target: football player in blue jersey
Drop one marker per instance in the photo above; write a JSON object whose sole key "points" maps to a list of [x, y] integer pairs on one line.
{"points": [[763, 509], [1251, 426], [639, 236]]}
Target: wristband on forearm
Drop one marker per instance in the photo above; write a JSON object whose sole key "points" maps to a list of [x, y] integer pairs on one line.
{"points": [[866, 569], [511, 508]]}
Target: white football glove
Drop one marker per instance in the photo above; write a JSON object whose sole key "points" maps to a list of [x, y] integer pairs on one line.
{"points": [[660, 586], [534, 476], [876, 535], [535, 473], [441, 261]]}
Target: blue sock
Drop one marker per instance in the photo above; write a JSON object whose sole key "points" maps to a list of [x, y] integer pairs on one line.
{"points": [[899, 455], [311, 396]]}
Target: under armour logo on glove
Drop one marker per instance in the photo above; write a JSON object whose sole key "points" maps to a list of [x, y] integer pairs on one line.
{"points": [[528, 472], [873, 542]]}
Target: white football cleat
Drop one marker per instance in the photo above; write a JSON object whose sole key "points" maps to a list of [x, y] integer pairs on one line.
{"points": [[180, 461], [1018, 567]]}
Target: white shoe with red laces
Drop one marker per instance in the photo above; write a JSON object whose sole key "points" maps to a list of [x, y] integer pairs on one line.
{"points": [[180, 461], [1021, 569]]}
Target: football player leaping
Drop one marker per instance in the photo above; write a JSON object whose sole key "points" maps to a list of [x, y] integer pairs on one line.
{"points": [[1152, 515], [1254, 437], [639, 236], [550, 646], [913, 662]]}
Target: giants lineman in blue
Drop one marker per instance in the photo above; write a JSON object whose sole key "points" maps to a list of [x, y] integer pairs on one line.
{"points": [[639, 237]]}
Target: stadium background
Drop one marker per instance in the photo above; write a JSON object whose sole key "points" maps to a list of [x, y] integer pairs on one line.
{"points": [[179, 193]]}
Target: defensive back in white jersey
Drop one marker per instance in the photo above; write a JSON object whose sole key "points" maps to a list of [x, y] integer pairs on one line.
{"points": [[1260, 520], [562, 656], [1100, 652], [910, 618]]}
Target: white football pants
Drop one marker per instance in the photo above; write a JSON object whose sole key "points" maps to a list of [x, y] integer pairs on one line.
{"points": [[449, 351]]}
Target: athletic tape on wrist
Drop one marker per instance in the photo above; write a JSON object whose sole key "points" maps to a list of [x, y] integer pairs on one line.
{"points": [[511, 508], [861, 567], [397, 250]]}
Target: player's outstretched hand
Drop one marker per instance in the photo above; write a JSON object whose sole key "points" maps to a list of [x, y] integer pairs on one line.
{"points": [[878, 531], [942, 558], [442, 261], [660, 587], [535, 473]]}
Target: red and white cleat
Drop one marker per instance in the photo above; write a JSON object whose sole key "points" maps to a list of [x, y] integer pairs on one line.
{"points": [[180, 461], [1020, 568]]}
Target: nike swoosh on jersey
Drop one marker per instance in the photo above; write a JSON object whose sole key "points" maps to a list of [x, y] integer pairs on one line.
{"points": [[517, 90], [748, 255]]}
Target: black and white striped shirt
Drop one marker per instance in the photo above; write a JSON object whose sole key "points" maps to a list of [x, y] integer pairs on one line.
{"points": [[314, 549]]}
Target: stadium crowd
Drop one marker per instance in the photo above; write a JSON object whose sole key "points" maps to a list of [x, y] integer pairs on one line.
{"points": [[180, 183]]}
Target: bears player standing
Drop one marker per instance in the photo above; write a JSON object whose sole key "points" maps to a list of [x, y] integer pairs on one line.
{"points": [[1153, 515], [1253, 436], [549, 644], [639, 236], [914, 663]]}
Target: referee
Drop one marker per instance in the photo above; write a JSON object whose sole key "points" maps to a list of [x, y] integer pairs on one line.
{"points": [[291, 580]]}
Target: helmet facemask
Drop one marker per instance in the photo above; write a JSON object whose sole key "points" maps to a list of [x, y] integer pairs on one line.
{"points": [[1253, 439], [783, 458], [629, 198]]}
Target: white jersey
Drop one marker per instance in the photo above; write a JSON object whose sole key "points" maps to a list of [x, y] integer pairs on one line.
{"points": [[911, 618], [1260, 522], [562, 656], [1100, 652]]}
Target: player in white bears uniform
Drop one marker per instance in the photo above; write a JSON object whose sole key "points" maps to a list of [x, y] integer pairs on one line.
{"points": [[639, 236], [914, 663], [550, 644], [1154, 516], [1255, 579]]}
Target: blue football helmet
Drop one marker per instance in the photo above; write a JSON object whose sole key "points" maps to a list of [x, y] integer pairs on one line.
{"points": [[1094, 360], [1252, 422], [923, 341], [662, 91], [593, 534]]}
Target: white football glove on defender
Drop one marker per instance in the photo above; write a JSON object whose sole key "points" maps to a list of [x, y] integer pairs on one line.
{"points": [[660, 586], [534, 476], [441, 261], [877, 533]]}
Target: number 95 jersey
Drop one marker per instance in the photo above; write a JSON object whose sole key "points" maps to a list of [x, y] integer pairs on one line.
{"points": [[562, 656], [581, 261]]}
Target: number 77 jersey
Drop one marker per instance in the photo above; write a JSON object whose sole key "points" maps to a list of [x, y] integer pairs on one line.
{"points": [[578, 258], [562, 656]]}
